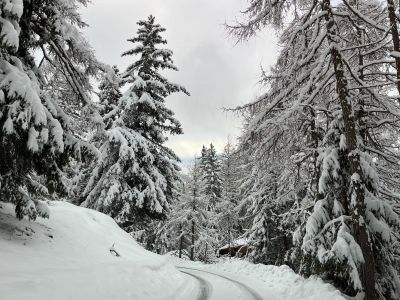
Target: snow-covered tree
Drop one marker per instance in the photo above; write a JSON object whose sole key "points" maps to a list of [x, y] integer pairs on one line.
{"points": [[188, 217], [211, 176], [36, 128], [229, 174], [191, 226], [268, 237], [227, 217], [134, 179], [109, 95], [330, 112]]}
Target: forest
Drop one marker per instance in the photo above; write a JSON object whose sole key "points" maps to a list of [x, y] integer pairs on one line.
{"points": [[312, 182]]}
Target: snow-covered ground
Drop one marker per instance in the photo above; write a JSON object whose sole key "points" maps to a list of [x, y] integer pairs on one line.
{"points": [[68, 257], [269, 282], [279, 281]]}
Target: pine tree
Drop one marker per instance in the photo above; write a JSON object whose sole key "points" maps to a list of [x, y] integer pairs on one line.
{"points": [[36, 129], [134, 180]]}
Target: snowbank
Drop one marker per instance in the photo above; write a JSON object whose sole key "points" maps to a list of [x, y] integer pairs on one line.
{"points": [[68, 257], [281, 281]]}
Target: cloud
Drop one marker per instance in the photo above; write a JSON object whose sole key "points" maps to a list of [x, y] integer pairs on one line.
{"points": [[216, 72]]}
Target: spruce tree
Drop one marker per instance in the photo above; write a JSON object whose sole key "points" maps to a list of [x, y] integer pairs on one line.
{"points": [[211, 176], [109, 96], [134, 179], [109, 111]]}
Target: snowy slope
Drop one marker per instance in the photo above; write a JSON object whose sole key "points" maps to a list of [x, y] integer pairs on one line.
{"points": [[68, 257]]}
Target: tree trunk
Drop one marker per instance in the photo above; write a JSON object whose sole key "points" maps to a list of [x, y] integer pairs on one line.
{"points": [[195, 188], [367, 269], [229, 236], [395, 38], [180, 243], [192, 246]]}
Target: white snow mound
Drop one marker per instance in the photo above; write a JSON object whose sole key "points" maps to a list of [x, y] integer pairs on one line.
{"points": [[68, 257]]}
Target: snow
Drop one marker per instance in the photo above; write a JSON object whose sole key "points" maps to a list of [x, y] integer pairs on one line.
{"points": [[270, 282], [281, 282], [347, 250], [395, 54], [68, 257], [330, 167], [19, 85], [9, 33], [14, 7], [342, 144], [32, 140], [235, 243], [82, 254], [8, 126]]}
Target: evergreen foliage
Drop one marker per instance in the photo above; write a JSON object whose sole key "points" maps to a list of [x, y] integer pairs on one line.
{"points": [[313, 183], [211, 176], [37, 132], [109, 96], [189, 218], [135, 177]]}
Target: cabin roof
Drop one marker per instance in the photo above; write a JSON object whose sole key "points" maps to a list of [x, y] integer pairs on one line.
{"points": [[236, 243]]}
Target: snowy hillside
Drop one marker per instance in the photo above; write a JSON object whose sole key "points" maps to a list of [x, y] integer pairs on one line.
{"points": [[68, 257]]}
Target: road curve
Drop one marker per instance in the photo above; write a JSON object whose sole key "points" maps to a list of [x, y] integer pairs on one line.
{"points": [[209, 286], [204, 286]]}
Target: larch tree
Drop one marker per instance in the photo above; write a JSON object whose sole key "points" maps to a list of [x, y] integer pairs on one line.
{"points": [[330, 112], [188, 216], [227, 216]]}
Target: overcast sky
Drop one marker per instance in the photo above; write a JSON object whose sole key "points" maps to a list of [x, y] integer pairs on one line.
{"points": [[217, 72]]}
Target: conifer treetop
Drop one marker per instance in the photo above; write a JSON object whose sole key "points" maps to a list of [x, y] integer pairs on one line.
{"points": [[152, 59], [148, 114]]}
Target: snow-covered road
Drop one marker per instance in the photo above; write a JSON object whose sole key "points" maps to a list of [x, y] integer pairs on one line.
{"points": [[210, 285]]}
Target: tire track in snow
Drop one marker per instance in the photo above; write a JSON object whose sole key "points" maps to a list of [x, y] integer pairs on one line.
{"points": [[243, 287], [205, 287]]}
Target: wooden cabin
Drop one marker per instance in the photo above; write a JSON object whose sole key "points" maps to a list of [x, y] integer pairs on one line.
{"points": [[237, 248]]}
